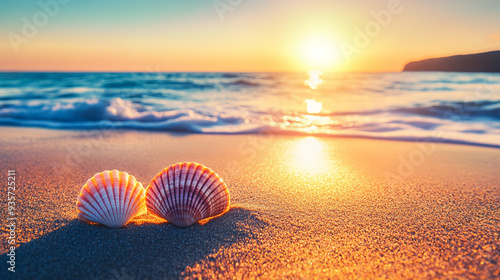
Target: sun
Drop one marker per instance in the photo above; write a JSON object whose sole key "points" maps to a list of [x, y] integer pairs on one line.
{"points": [[319, 52]]}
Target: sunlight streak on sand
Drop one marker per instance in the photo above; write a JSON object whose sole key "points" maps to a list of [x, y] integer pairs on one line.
{"points": [[309, 155]]}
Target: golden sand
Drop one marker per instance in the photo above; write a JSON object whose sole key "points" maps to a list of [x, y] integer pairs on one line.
{"points": [[303, 207]]}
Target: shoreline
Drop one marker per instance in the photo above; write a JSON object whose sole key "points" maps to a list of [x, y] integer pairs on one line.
{"points": [[301, 207], [263, 133]]}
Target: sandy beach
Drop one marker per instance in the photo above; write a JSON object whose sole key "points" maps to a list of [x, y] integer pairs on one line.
{"points": [[302, 207]]}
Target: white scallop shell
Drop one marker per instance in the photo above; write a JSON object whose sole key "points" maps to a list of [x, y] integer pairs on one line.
{"points": [[187, 192], [111, 198]]}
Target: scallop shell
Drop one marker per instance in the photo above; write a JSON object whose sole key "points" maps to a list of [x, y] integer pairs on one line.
{"points": [[111, 198], [187, 192]]}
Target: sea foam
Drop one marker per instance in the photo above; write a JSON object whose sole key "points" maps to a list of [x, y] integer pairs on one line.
{"points": [[443, 107]]}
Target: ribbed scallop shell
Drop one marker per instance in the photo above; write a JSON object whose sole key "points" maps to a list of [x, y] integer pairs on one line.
{"points": [[111, 198], [187, 192]]}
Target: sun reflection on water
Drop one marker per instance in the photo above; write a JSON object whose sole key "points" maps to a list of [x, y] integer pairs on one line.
{"points": [[313, 106], [314, 79]]}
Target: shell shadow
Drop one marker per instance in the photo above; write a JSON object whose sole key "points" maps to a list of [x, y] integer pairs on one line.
{"points": [[138, 251]]}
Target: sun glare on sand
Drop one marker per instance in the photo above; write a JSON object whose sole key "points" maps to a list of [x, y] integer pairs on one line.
{"points": [[309, 155]]}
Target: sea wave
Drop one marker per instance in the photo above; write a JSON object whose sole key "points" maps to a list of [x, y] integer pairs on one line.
{"points": [[458, 107], [414, 124]]}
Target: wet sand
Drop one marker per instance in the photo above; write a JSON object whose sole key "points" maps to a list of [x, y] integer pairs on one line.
{"points": [[303, 207]]}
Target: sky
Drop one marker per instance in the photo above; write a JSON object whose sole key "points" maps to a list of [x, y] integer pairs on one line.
{"points": [[241, 35]]}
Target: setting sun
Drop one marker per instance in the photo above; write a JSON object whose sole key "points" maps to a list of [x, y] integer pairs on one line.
{"points": [[319, 53]]}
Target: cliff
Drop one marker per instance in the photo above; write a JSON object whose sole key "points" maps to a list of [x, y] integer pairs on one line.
{"points": [[480, 62]]}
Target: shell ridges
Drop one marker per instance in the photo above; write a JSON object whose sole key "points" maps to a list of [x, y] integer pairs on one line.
{"points": [[187, 192], [111, 198]]}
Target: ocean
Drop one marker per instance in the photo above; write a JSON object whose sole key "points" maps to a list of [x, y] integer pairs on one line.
{"points": [[417, 106]]}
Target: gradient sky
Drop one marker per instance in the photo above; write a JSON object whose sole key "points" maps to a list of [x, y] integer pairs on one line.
{"points": [[256, 35]]}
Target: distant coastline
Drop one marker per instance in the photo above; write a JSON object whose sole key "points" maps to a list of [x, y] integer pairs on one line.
{"points": [[479, 62]]}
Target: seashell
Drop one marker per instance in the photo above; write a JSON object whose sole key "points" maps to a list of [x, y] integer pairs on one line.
{"points": [[111, 198], [187, 192]]}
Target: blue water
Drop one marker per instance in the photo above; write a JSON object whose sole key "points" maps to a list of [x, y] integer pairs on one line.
{"points": [[431, 106]]}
